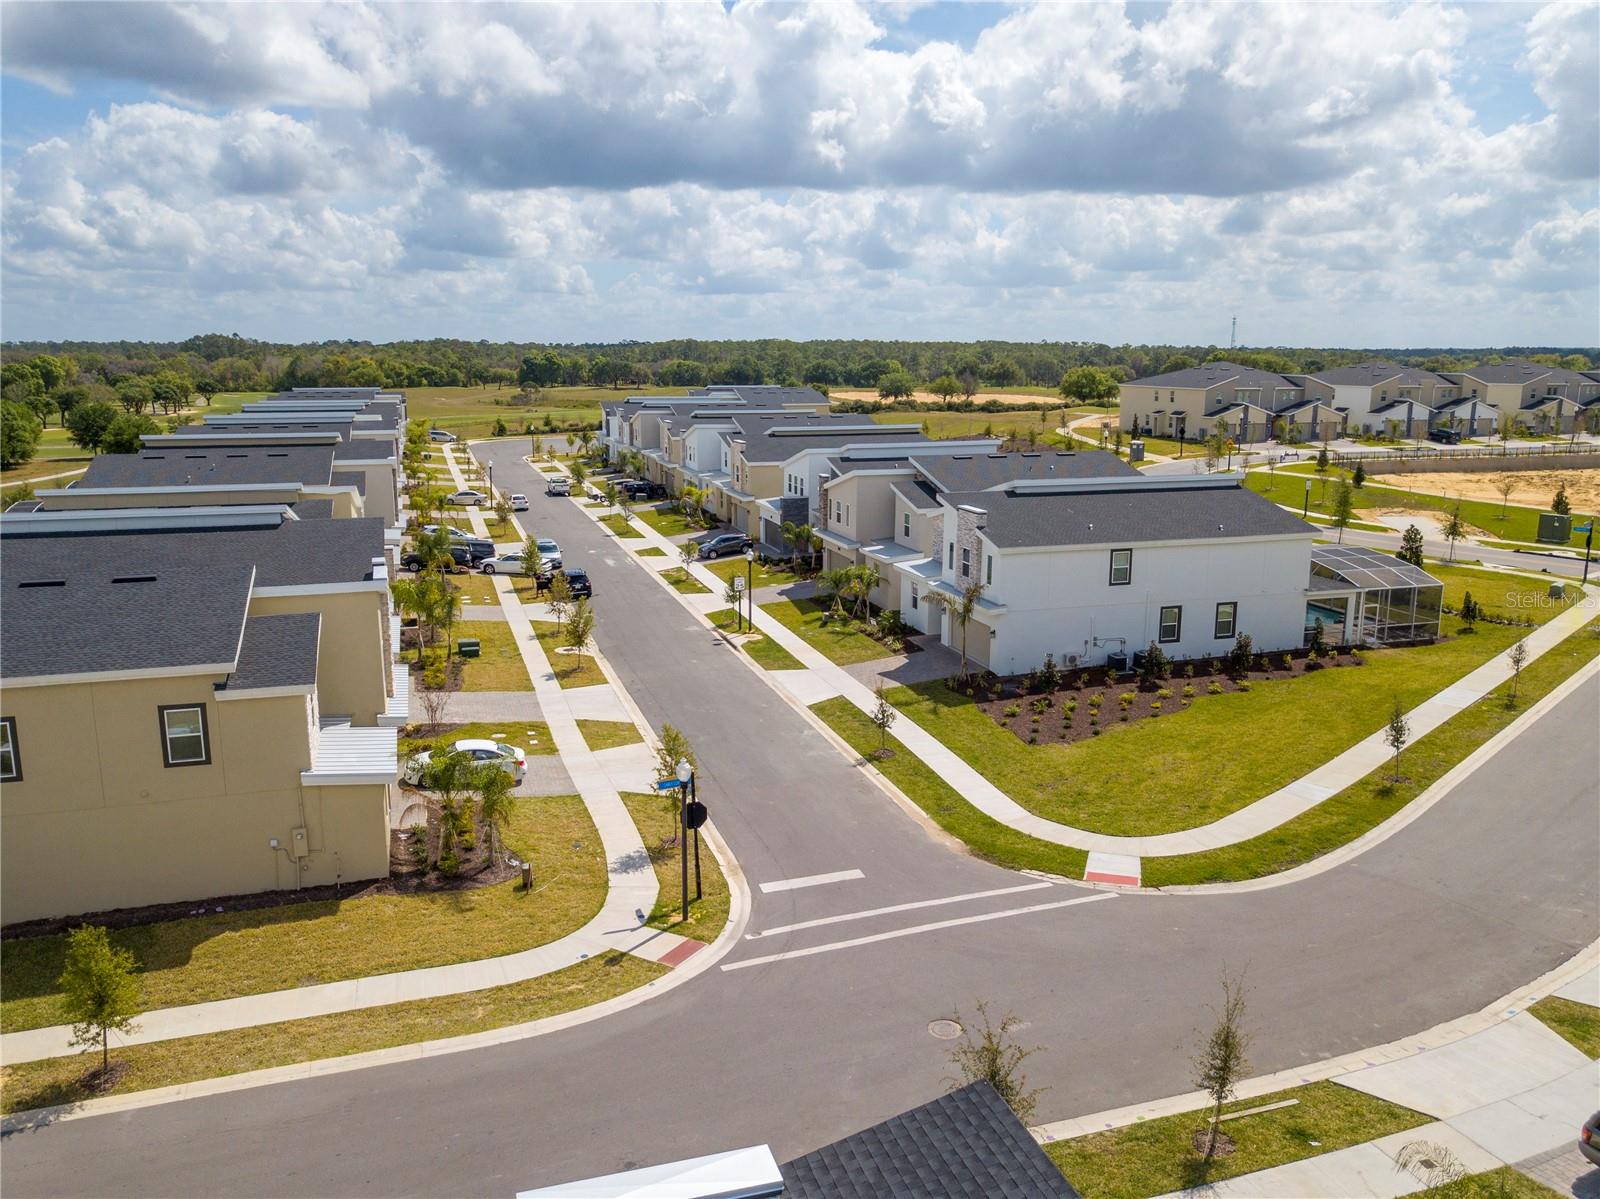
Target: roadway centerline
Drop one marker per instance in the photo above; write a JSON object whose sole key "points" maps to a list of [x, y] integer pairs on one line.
{"points": [[914, 930], [898, 907], [810, 880]]}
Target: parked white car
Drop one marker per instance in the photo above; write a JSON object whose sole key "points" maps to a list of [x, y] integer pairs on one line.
{"points": [[508, 563], [440, 435], [549, 553], [519, 502], [509, 758], [467, 498]]}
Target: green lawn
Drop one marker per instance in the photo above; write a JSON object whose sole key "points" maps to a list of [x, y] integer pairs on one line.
{"points": [[1287, 486], [1157, 1156], [470, 412], [664, 520], [479, 588], [618, 524], [1192, 767], [770, 655], [651, 551], [571, 670], [167, 1063], [608, 734], [726, 618], [221, 955], [685, 582], [1505, 1183], [986, 837], [1578, 1023], [841, 643], [1501, 595], [657, 819], [515, 732], [498, 666], [1366, 804], [763, 576]]}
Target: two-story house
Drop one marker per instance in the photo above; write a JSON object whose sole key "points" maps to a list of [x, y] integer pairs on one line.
{"points": [[1377, 396], [1193, 402], [196, 702]]}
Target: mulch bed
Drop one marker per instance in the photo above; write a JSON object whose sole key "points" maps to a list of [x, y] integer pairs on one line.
{"points": [[1065, 714], [408, 876], [1202, 1138]]}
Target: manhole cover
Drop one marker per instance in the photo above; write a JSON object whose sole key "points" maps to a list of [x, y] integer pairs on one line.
{"points": [[945, 1030]]}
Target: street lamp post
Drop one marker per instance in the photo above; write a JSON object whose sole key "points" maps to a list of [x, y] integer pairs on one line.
{"points": [[685, 790], [750, 583], [1306, 506]]}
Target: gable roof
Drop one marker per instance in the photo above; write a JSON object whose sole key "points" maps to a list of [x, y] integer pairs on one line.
{"points": [[221, 466], [1518, 370], [1127, 512], [1213, 374], [770, 437], [1376, 371], [964, 1145], [72, 614], [979, 472]]}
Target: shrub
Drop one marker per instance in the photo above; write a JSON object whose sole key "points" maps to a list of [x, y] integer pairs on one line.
{"points": [[1155, 708], [449, 863], [1126, 700], [1013, 710], [419, 844], [1033, 738], [1288, 661], [1094, 700], [1040, 704], [1069, 707], [1049, 674], [1244, 684], [1188, 691], [1214, 687], [1188, 670], [1035, 719], [1241, 655], [1164, 693], [1155, 665]]}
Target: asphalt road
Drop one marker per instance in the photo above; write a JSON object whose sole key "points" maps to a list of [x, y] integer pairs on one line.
{"points": [[1490, 888]]}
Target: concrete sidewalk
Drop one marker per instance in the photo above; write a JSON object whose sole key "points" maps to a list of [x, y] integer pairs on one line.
{"points": [[618, 926]]}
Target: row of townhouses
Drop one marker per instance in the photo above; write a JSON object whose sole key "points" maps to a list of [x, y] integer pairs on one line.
{"points": [[1079, 556], [197, 650], [1368, 398]]}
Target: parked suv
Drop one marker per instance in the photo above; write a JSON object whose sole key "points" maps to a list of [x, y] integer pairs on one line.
{"points": [[411, 560], [727, 543], [578, 581], [440, 435], [641, 489], [558, 487], [478, 547], [1445, 436]]}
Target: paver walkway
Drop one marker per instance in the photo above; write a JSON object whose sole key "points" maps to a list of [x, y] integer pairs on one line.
{"points": [[473, 707], [618, 926], [821, 679]]}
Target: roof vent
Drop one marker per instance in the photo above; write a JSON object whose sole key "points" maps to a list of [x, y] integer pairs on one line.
{"points": [[134, 579], [199, 456], [42, 583]]}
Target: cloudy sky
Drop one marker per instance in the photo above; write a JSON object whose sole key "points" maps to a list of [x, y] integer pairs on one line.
{"points": [[1334, 174]]}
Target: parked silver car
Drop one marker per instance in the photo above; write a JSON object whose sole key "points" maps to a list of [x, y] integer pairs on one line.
{"points": [[509, 758]]}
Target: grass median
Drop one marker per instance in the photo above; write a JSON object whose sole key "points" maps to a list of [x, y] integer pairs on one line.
{"points": [[656, 817], [531, 736], [769, 655], [571, 670], [1154, 1157], [666, 520], [986, 837], [227, 954], [1366, 804], [685, 582], [618, 524], [608, 734], [167, 1063], [1577, 1023]]}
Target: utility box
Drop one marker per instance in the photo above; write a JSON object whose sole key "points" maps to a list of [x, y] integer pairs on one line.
{"points": [[1554, 529], [467, 647], [299, 844], [1136, 450], [1558, 591]]}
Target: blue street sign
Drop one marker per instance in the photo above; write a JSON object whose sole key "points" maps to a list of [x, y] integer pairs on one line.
{"points": [[668, 785], [1588, 528]]}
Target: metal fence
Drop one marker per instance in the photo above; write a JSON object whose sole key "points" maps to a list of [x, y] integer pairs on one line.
{"points": [[1465, 452]]}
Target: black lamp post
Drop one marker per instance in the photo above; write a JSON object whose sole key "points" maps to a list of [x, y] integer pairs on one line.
{"points": [[1306, 506], [685, 790], [750, 583]]}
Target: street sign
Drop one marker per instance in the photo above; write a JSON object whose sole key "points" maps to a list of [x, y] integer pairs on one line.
{"points": [[668, 785], [738, 582]]}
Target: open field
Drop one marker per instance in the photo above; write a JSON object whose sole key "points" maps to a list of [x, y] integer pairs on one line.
{"points": [[1535, 488], [1020, 394], [472, 411], [220, 955]]}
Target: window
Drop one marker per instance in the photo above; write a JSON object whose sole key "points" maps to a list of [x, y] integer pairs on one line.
{"points": [[1121, 567], [950, 561], [913, 599], [988, 569], [183, 736], [966, 562], [1171, 623], [10, 759], [1226, 613], [905, 525]]}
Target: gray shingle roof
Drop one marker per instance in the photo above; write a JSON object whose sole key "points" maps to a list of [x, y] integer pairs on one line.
{"points": [[771, 393], [1188, 511], [277, 651], [99, 613], [1378, 370], [777, 438], [293, 553], [979, 472], [289, 424], [366, 450], [1213, 373], [350, 478], [1516, 371], [964, 1145], [313, 509], [176, 466], [918, 494]]}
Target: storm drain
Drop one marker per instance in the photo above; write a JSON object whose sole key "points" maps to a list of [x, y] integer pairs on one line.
{"points": [[945, 1030]]}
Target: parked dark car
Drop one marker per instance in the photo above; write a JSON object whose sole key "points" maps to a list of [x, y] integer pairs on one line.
{"points": [[578, 581], [641, 489], [1445, 436], [726, 543], [411, 560]]}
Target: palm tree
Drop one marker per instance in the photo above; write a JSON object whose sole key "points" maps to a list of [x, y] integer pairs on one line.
{"points": [[963, 611], [497, 803], [836, 583], [406, 601]]}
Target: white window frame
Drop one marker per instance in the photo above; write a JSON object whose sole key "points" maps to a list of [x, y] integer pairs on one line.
{"points": [[164, 713], [1127, 569], [1233, 620], [1177, 624], [12, 772]]}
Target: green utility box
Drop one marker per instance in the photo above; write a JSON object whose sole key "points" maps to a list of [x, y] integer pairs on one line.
{"points": [[1136, 450], [467, 647], [1554, 529]]}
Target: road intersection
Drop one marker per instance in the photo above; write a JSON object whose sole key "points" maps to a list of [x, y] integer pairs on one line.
{"points": [[865, 927]]}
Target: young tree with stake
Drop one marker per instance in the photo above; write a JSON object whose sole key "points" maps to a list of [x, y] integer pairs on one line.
{"points": [[579, 627], [1221, 1062], [560, 598], [1454, 529], [1411, 546], [1518, 658], [1396, 734], [1344, 506], [883, 716]]}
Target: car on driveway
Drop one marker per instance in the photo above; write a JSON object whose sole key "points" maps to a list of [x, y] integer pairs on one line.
{"points": [[466, 498], [519, 502], [578, 581], [509, 563], [479, 547], [459, 551], [1589, 1140], [558, 487], [726, 543], [549, 553], [509, 758], [440, 435], [638, 489]]}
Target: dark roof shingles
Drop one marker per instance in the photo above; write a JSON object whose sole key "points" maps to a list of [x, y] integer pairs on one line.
{"points": [[277, 651]]}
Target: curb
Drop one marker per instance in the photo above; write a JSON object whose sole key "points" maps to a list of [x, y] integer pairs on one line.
{"points": [[1436, 1037]]}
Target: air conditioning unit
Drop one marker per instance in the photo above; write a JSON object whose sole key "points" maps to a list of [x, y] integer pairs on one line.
{"points": [[1072, 659]]}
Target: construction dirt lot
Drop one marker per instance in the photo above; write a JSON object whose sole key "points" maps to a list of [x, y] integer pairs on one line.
{"points": [[927, 397], [1535, 488]]}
